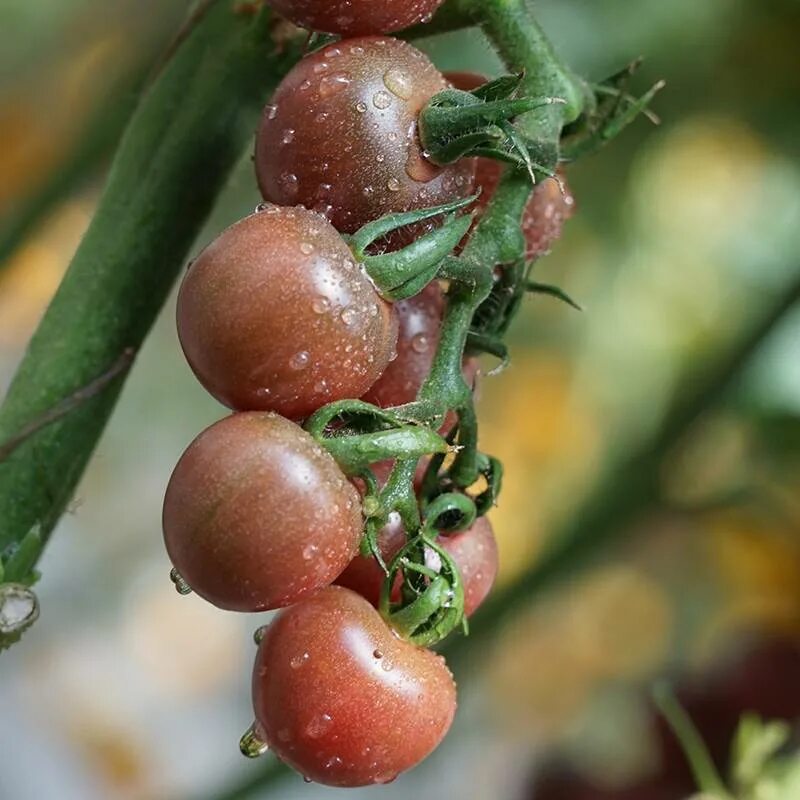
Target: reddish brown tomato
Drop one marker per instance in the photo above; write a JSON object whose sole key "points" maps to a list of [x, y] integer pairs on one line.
{"points": [[420, 322], [341, 135], [276, 315], [342, 699], [547, 210], [474, 552], [356, 17], [257, 515]]}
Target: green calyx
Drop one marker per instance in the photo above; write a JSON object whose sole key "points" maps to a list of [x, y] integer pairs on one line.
{"points": [[358, 434], [406, 272], [457, 124], [431, 596]]}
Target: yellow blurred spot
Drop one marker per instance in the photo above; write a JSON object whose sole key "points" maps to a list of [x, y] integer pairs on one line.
{"points": [[29, 281]]}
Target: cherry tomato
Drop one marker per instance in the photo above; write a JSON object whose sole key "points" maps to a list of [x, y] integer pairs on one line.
{"points": [[356, 17], [547, 210], [342, 699], [474, 552], [257, 515], [420, 322], [276, 315], [341, 135]]}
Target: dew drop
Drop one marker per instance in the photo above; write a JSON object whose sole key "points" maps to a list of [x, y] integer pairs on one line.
{"points": [[393, 185], [321, 305], [418, 168], [381, 100], [420, 343], [305, 86], [309, 551], [299, 360], [321, 67], [333, 84], [377, 654], [349, 316], [398, 83], [270, 112], [306, 779], [259, 633], [289, 184], [332, 52], [361, 107], [288, 136], [19, 608], [356, 50], [306, 248], [252, 744], [298, 661], [181, 586], [387, 666], [319, 726], [321, 387]]}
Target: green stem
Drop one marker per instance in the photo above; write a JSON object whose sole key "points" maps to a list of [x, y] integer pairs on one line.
{"points": [[628, 490], [185, 137]]}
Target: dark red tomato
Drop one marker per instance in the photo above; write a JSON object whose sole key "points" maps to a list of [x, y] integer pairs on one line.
{"points": [[474, 552], [356, 17], [276, 315], [420, 322], [341, 135], [257, 515], [547, 210], [342, 699]]}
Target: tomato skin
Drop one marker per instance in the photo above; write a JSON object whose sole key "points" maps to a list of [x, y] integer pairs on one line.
{"points": [[420, 322], [342, 699], [473, 550], [548, 208], [257, 515], [276, 315], [340, 135], [356, 17]]}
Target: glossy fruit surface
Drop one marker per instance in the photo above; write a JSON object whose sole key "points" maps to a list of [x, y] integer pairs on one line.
{"points": [[340, 135], [257, 515], [342, 699], [548, 208], [474, 552], [420, 322], [276, 315], [356, 17]]}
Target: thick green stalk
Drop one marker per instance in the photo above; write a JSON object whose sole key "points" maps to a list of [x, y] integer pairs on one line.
{"points": [[183, 140]]}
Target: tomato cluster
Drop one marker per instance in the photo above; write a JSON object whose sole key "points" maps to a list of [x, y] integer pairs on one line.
{"points": [[278, 318]]}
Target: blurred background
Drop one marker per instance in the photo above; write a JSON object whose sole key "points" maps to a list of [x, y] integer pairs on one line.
{"points": [[686, 239]]}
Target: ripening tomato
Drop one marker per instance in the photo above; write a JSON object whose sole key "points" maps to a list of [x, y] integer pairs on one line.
{"points": [[341, 135], [257, 515], [473, 550], [276, 315], [548, 208], [420, 322], [356, 17], [342, 699]]}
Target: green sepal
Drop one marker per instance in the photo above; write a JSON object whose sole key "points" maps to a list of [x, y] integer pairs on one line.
{"points": [[407, 272], [19, 560]]}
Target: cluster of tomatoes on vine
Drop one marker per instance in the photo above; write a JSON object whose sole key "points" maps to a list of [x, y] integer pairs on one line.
{"points": [[323, 308]]}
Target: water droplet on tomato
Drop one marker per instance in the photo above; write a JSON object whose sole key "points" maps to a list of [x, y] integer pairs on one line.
{"points": [[381, 100], [299, 360], [319, 726], [331, 85], [361, 107], [306, 248], [270, 112], [377, 654], [288, 136], [253, 743], [420, 343], [309, 551], [180, 583], [289, 184], [320, 68], [393, 185], [398, 83], [349, 316], [299, 660], [259, 633], [321, 305]]}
